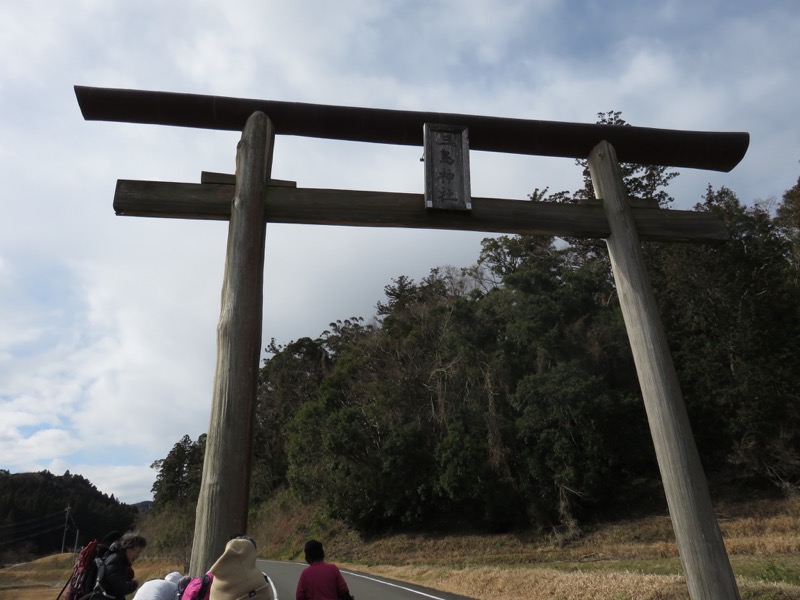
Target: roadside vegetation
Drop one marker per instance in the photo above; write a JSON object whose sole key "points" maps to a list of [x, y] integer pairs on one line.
{"points": [[503, 397], [629, 558], [632, 559]]}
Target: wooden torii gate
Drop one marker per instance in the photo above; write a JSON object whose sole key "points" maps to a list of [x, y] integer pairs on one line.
{"points": [[255, 199]]}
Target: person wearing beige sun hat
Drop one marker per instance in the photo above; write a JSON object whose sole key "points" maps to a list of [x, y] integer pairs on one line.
{"points": [[236, 576]]}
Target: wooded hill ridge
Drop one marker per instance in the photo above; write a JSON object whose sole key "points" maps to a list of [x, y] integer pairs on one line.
{"points": [[503, 396], [34, 519]]}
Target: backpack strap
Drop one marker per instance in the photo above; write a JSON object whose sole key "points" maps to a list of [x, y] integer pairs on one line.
{"points": [[97, 588]]}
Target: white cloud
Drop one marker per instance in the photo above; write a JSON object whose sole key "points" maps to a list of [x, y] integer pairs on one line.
{"points": [[26, 452]]}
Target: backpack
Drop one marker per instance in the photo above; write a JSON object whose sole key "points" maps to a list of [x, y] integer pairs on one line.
{"points": [[83, 578], [198, 588]]}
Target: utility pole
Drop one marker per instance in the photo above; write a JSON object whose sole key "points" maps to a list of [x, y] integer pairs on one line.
{"points": [[66, 524]]}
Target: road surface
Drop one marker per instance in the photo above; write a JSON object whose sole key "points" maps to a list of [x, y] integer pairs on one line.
{"points": [[284, 575]]}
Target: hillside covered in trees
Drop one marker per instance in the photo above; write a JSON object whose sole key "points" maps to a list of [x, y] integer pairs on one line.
{"points": [[504, 397], [34, 519]]}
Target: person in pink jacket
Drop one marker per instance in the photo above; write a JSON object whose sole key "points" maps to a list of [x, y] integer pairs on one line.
{"points": [[320, 580]]}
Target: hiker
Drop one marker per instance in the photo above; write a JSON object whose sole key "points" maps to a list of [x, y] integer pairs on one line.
{"points": [[116, 576], [320, 580], [236, 575], [160, 589]]}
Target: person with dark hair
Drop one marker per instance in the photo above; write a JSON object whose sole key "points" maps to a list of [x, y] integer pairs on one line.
{"points": [[115, 577], [320, 580]]}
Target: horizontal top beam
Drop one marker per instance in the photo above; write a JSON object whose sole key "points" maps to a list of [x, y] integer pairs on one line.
{"points": [[718, 151], [288, 204]]}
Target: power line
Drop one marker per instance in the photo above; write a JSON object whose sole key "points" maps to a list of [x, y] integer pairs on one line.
{"points": [[33, 535], [18, 529], [31, 520]]}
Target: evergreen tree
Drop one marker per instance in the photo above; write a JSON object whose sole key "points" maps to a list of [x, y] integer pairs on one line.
{"points": [[179, 475], [731, 314]]}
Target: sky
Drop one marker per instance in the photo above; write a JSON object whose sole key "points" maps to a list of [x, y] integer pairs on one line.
{"points": [[108, 324]]}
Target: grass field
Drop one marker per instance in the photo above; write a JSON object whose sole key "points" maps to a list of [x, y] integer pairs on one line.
{"points": [[634, 559]]}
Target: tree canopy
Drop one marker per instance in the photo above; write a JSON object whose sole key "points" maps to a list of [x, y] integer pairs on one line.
{"points": [[504, 395], [35, 519]]}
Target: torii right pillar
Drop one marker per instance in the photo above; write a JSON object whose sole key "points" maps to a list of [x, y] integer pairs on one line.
{"points": [[702, 551]]}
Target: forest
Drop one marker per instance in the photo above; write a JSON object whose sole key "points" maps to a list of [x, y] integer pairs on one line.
{"points": [[503, 396], [41, 513]]}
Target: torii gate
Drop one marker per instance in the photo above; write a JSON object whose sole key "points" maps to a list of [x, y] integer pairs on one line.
{"points": [[256, 200]]}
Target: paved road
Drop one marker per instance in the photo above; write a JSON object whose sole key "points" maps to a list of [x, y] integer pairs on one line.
{"points": [[284, 576]]}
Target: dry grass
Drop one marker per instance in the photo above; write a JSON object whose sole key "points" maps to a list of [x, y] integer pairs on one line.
{"points": [[630, 559], [43, 579], [541, 583], [635, 559], [519, 583]]}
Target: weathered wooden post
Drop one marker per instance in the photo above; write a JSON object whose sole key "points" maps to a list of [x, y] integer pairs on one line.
{"points": [[708, 571], [224, 491]]}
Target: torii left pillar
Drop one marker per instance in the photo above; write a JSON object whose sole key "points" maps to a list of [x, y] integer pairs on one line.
{"points": [[224, 492]]}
